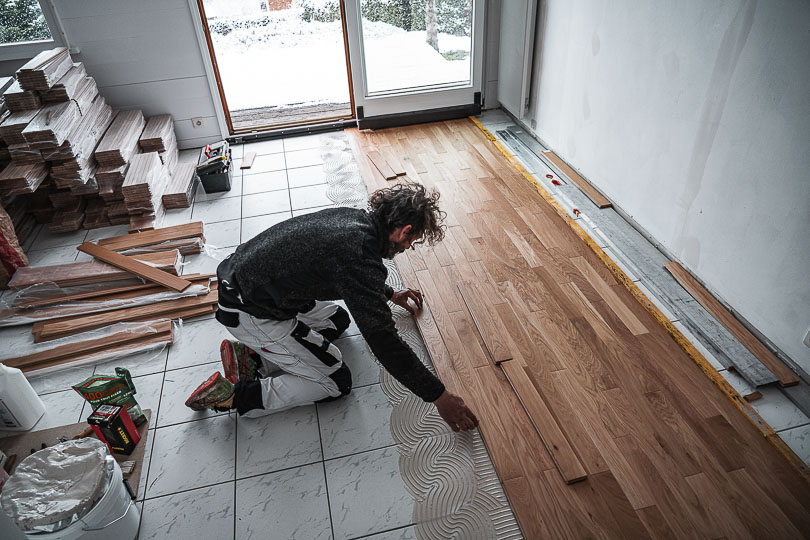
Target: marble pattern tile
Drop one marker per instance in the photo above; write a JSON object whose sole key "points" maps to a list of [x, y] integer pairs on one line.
{"points": [[270, 202], [303, 142], [798, 439], [62, 379], [303, 158], [17, 341], [309, 197], [277, 441], [365, 369], [61, 408], [273, 146], [147, 392], [46, 239], [140, 363], [206, 262], [236, 191], [199, 513], [262, 182], [106, 232], [358, 422], [222, 233], [290, 504], [214, 211], [51, 256], [197, 342], [178, 384], [367, 494], [177, 216], [306, 176], [777, 410], [192, 455], [266, 163], [253, 226]]}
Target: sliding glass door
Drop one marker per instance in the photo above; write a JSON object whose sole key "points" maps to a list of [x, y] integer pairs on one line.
{"points": [[415, 55]]}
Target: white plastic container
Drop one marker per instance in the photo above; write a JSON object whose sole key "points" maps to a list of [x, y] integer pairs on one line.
{"points": [[113, 516], [20, 406]]}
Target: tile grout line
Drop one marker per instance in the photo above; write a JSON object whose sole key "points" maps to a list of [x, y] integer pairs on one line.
{"points": [[323, 465], [235, 458]]}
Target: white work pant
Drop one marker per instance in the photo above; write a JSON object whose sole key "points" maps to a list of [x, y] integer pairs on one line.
{"points": [[298, 362]]}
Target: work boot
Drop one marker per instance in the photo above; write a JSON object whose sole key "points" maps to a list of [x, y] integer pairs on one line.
{"points": [[211, 394], [237, 361]]}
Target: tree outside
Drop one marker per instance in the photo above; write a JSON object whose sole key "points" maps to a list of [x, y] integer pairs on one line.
{"points": [[21, 21]]}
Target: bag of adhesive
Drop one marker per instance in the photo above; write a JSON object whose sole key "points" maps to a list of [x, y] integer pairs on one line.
{"points": [[112, 390]]}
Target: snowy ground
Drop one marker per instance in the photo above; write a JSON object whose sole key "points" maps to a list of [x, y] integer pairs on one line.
{"points": [[290, 61]]}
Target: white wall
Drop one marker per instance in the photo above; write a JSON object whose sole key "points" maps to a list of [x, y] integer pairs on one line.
{"points": [[143, 54], [694, 118]]}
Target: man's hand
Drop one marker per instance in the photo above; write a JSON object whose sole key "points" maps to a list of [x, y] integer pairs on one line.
{"points": [[400, 298], [453, 410]]}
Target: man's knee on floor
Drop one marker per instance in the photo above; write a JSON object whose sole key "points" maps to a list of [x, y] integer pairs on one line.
{"points": [[343, 379], [340, 319]]}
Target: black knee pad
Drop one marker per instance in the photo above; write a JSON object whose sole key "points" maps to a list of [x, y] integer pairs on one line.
{"points": [[343, 379], [341, 321]]}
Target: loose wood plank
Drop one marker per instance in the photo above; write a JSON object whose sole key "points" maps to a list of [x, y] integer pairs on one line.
{"points": [[713, 306], [485, 323], [155, 236], [136, 267], [597, 198], [80, 348], [566, 460], [382, 166], [247, 161]]}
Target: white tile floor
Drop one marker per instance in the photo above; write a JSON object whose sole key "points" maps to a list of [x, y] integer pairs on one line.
{"points": [[325, 471]]}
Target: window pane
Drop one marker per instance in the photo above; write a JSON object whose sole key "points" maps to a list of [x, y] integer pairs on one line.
{"points": [[410, 44], [22, 21], [280, 61]]}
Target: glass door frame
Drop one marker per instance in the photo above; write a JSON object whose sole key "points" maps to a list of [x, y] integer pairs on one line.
{"points": [[416, 100], [218, 93]]}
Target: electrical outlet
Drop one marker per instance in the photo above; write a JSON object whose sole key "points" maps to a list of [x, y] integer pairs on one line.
{"points": [[198, 122], [807, 339]]}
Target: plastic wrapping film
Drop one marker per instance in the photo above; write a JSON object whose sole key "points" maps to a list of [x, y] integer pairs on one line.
{"points": [[56, 486], [94, 347], [15, 316]]}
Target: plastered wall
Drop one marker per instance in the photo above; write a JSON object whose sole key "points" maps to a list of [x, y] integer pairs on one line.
{"points": [[694, 118]]}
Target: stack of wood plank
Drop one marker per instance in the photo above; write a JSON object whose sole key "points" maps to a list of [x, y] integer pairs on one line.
{"points": [[110, 181], [93, 272], [72, 162], [17, 99], [23, 219], [52, 124], [120, 142], [12, 127], [69, 218], [20, 179], [97, 296], [158, 136], [95, 214], [67, 87], [39, 204], [45, 69], [23, 154], [143, 189], [182, 186]]}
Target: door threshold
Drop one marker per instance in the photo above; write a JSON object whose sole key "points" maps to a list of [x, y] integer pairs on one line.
{"points": [[294, 131]]}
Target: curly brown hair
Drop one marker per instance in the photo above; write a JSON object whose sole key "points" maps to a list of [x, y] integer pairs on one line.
{"points": [[411, 204]]}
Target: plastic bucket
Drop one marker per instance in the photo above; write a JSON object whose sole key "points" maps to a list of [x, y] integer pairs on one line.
{"points": [[113, 516]]}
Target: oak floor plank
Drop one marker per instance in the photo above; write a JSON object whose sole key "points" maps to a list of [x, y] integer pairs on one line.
{"points": [[654, 434]]}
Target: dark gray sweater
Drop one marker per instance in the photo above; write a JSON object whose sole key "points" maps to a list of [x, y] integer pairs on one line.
{"points": [[328, 255]]}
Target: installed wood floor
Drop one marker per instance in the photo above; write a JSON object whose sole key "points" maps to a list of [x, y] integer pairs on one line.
{"points": [[515, 296]]}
